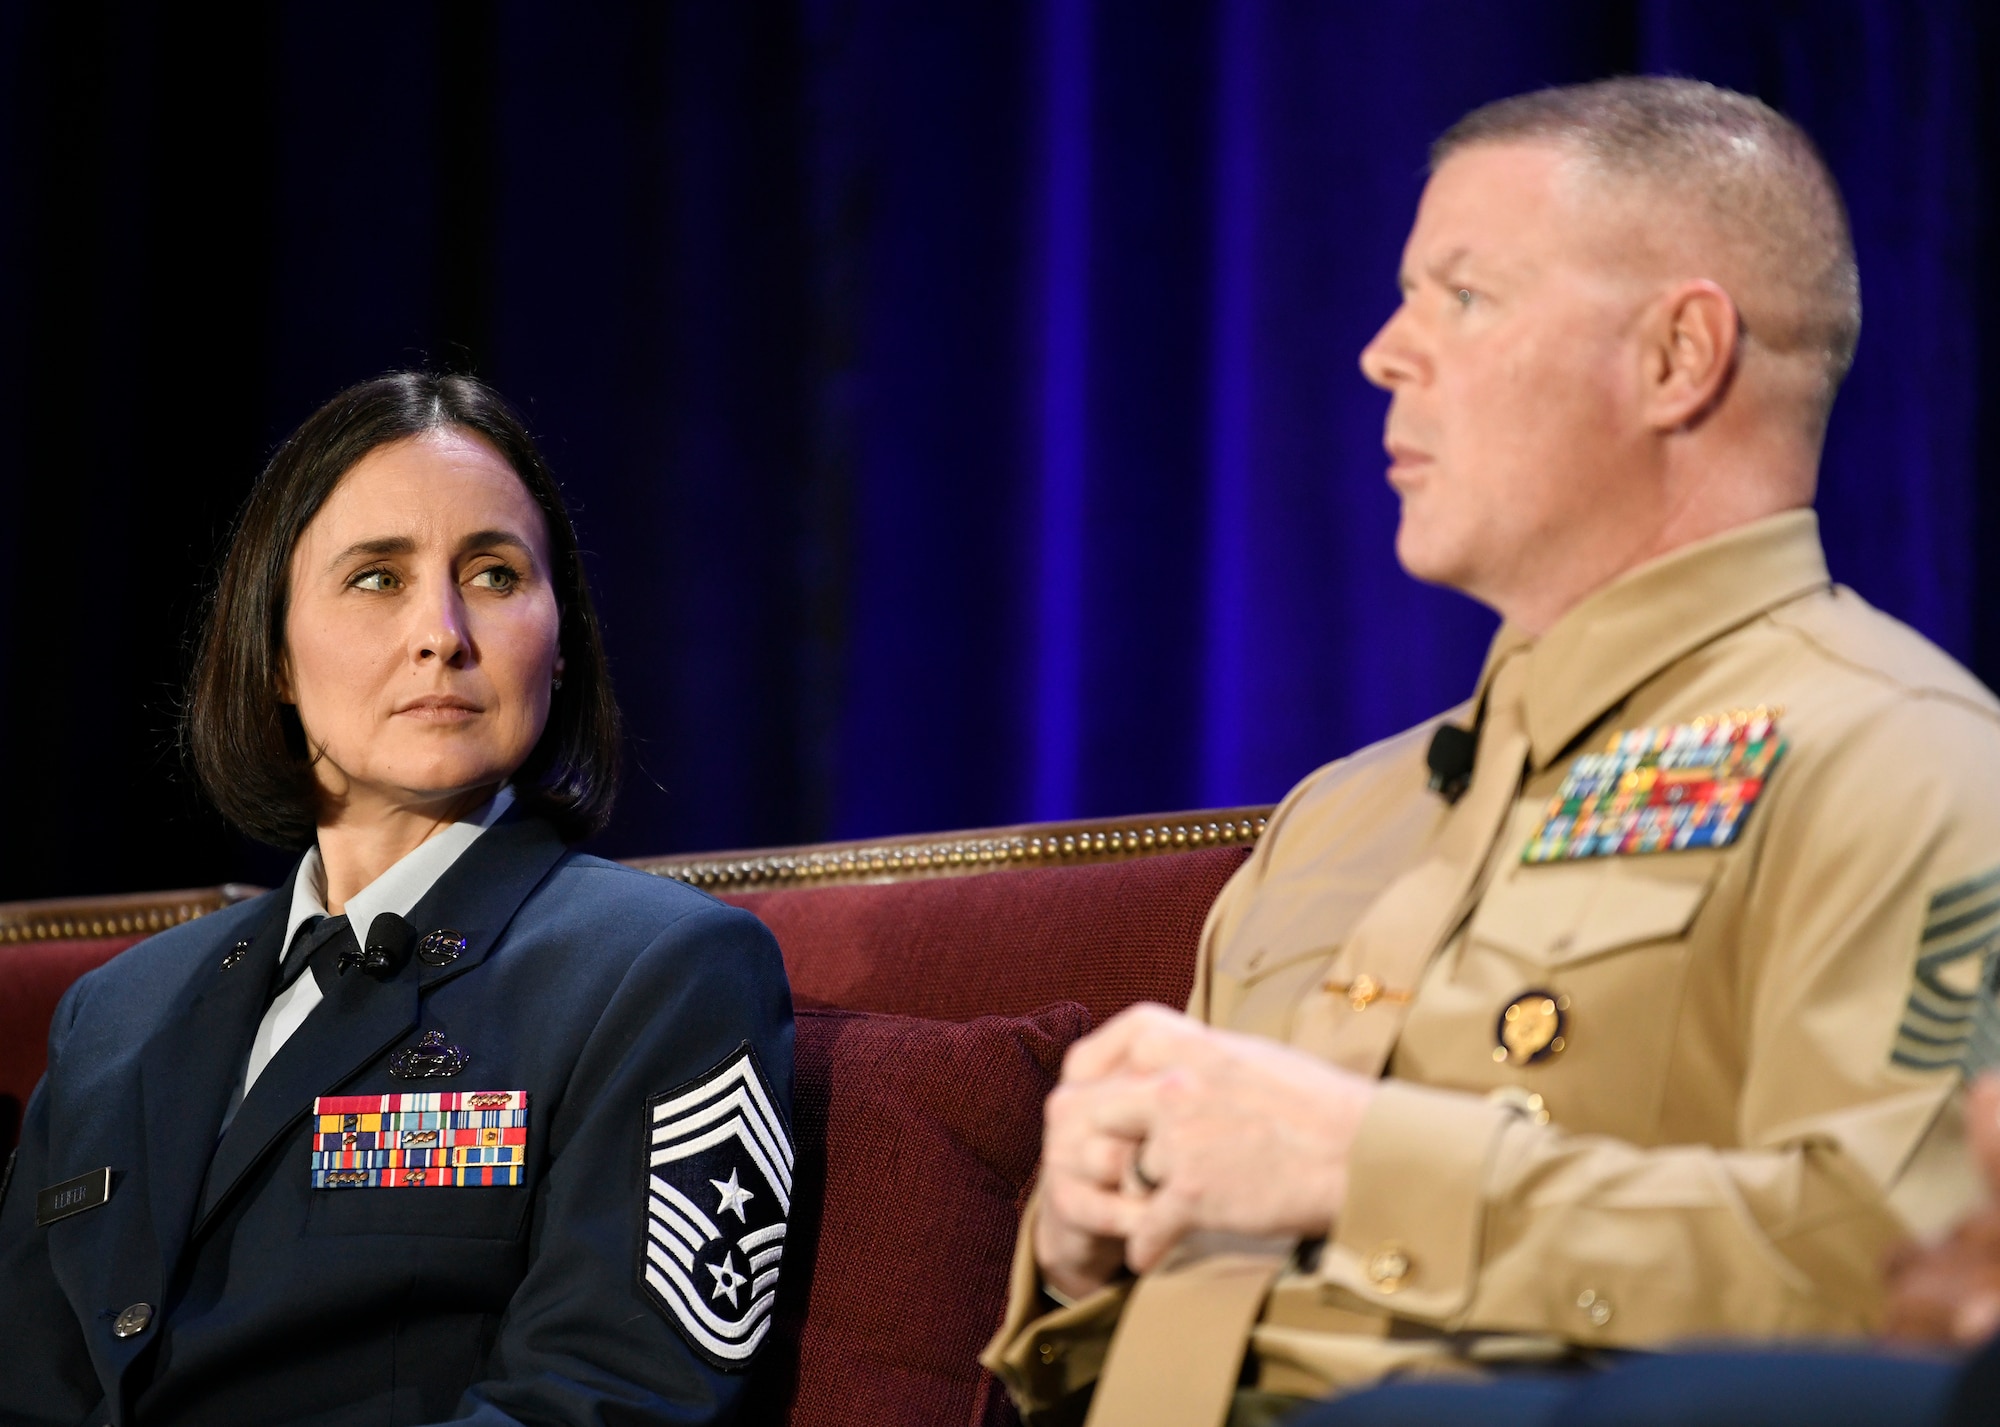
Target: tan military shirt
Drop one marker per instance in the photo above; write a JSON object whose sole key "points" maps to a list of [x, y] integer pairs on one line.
{"points": [[1753, 1092]]}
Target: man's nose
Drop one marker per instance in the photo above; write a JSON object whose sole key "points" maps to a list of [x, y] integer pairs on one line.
{"points": [[1391, 358]]}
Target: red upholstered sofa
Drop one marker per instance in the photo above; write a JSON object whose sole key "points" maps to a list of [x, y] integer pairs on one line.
{"points": [[938, 980]]}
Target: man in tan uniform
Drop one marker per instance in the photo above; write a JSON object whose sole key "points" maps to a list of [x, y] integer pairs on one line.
{"points": [[1630, 1001]]}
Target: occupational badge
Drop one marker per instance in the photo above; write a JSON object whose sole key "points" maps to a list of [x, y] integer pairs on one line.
{"points": [[432, 1058], [1532, 1028], [1952, 1018], [718, 1194], [450, 1139], [1661, 789]]}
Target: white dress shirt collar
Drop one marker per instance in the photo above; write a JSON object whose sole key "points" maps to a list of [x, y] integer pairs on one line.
{"points": [[397, 890], [401, 887]]}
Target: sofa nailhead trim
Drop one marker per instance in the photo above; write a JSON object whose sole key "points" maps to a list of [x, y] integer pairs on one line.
{"points": [[961, 855]]}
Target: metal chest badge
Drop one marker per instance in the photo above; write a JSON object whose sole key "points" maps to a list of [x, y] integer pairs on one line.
{"points": [[432, 1058], [453, 1139], [1532, 1028], [1661, 789]]}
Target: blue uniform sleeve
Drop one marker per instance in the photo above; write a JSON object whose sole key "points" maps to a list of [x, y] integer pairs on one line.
{"points": [[49, 1377], [636, 1307]]}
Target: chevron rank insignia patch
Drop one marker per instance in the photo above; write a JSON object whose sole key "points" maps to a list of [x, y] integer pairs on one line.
{"points": [[1661, 789], [718, 1195], [455, 1139], [1952, 1019]]}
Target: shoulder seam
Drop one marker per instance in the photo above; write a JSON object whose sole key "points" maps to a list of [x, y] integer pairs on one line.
{"points": [[1885, 679]]}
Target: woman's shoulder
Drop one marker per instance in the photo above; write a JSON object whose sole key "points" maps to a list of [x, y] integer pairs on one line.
{"points": [[594, 890], [593, 927], [150, 973], [582, 873]]}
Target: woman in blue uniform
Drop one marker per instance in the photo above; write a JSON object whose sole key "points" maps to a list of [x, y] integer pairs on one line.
{"points": [[457, 1124]]}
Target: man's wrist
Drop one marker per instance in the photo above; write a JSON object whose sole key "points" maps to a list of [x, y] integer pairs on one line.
{"points": [[1062, 1299]]}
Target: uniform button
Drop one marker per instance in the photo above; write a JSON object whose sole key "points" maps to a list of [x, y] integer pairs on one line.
{"points": [[1049, 1352], [1597, 1310], [1388, 1266], [133, 1321]]}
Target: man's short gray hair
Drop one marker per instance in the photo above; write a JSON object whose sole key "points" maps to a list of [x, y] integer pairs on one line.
{"points": [[1767, 192]]}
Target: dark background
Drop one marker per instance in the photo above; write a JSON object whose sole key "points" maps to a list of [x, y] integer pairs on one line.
{"points": [[958, 401]]}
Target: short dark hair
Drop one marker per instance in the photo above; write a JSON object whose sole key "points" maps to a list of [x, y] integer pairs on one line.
{"points": [[248, 747], [1765, 187]]}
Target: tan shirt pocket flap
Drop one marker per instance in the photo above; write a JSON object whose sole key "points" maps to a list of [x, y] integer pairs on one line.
{"points": [[1574, 911]]}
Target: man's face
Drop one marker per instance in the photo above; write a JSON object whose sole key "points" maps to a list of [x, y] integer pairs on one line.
{"points": [[1512, 431]]}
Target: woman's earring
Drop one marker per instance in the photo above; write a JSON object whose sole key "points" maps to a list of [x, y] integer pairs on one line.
{"points": [[558, 682]]}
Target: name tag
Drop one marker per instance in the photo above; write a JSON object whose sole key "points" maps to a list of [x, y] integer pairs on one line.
{"points": [[455, 1139], [72, 1196]]}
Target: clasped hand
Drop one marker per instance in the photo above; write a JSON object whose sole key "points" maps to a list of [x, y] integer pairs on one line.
{"points": [[1949, 1291], [1162, 1126]]}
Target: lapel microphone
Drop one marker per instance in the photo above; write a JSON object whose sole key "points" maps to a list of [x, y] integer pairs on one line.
{"points": [[389, 941], [1452, 753], [1450, 759]]}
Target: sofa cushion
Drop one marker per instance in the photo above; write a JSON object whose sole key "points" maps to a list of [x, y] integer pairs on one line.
{"points": [[917, 1144], [1001, 943]]}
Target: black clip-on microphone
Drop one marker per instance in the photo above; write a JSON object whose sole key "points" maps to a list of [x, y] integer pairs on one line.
{"points": [[1451, 756], [389, 941]]}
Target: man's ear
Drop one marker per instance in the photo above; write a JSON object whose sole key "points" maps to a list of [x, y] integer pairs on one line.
{"points": [[1690, 355]]}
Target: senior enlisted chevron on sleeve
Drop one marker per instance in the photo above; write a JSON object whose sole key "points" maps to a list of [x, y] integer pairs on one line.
{"points": [[1735, 1126]]}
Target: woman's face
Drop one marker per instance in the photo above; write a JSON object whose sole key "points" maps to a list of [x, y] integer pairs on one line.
{"points": [[421, 631]]}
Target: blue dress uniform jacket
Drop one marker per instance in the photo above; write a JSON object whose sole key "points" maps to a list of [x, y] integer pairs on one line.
{"points": [[590, 986]]}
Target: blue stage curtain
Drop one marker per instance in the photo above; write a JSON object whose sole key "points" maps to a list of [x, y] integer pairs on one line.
{"points": [[959, 402]]}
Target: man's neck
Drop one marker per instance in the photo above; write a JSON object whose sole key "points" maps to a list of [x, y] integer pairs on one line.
{"points": [[1542, 606], [1729, 471]]}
